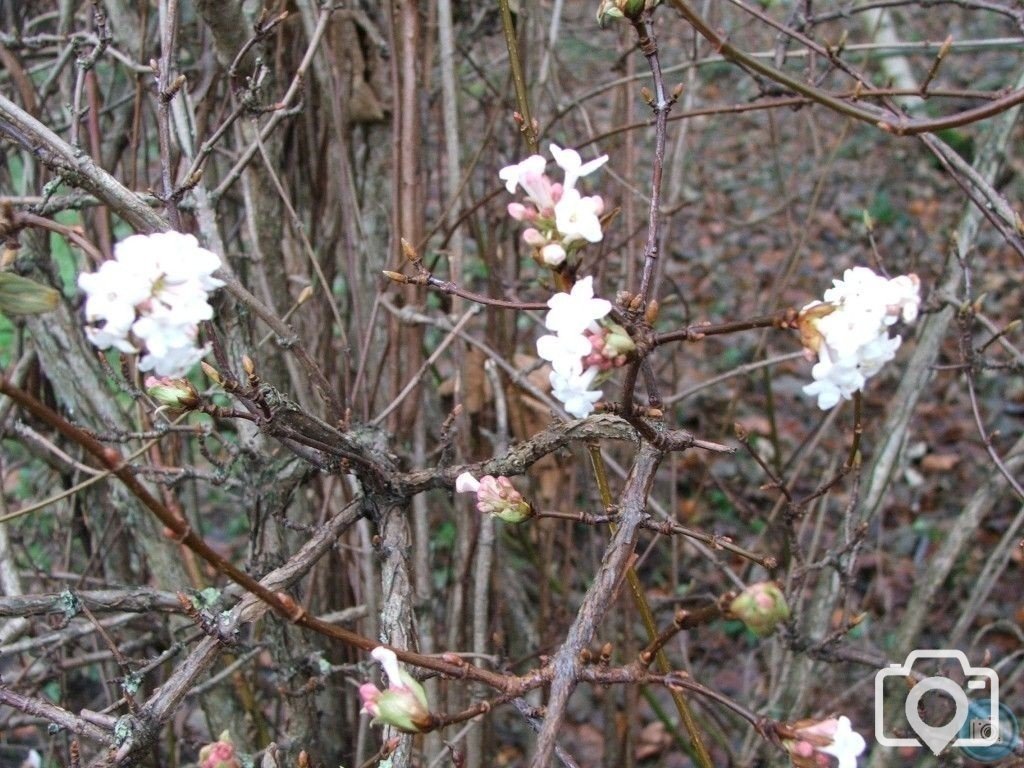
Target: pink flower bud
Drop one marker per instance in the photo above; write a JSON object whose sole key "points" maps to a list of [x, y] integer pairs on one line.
{"points": [[495, 496], [400, 708], [368, 694], [609, 346], [220, 754], [403, 705], [598, 361], [539, 190], [534, 238], [556, 194], [521, 212], [498, 497], [761, 607]]}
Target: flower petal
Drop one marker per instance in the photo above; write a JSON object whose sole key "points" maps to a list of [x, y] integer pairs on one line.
{"points": [[466, 483]]}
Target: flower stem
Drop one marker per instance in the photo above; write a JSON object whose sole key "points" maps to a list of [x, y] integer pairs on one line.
{"points": [[660, 104], [522, 98], [647, 616]]}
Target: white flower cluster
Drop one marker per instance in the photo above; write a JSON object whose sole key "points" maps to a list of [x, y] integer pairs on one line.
{"points": [[849, 330], [152, 293], [812, 740], [570, 316], [563, 220]]}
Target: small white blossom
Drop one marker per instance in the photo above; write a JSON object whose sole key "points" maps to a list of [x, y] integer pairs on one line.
{"points": [[575, 393], [112, 334], [847, 745], [849, 331], [809, 740], [828, 392], [565, 352], [174, 362], [529, 174], [569, 160], [511, 174], [112, 292], [578, 218], [552, 254], [572, 313], [905, 296]]}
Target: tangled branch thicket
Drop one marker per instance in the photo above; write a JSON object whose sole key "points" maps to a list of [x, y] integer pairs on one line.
{"points": [[210, 565]]}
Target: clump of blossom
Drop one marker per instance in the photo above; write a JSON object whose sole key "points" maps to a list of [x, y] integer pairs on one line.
{"points": [[580, 349], [561, 219], [849, 331], [495, 496], [813, 743], [761, 607], [220, 754], [152, 295], [403, 705]]}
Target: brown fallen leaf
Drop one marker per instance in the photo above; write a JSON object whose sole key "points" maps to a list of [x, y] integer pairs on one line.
{"points": [[755, 424], [939, 462], [652, 741]]}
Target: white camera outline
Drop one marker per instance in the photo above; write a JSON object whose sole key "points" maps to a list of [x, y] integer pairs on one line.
{"points": [[970, 672]]}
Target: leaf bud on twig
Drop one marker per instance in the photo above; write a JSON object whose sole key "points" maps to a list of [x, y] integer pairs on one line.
{"points": [[397, 277], [869, 222], [408, 251], [651, 313], [173, 88], [212, 373]]}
